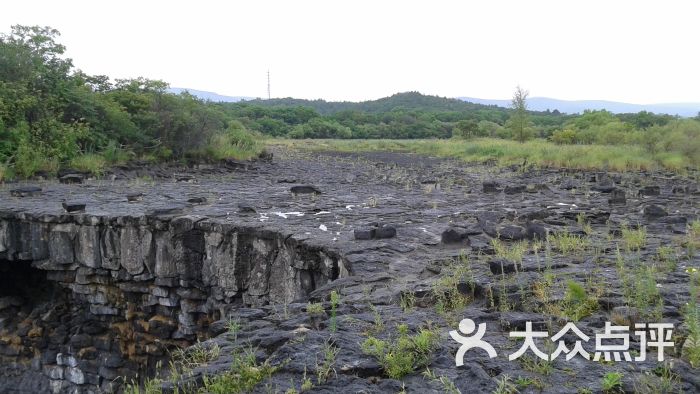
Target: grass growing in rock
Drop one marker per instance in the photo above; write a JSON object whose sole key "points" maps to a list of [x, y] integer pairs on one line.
{"points": [[634, 239], [195, 356], [513, 252], [578, 303], [403, 355], [568, 243], [612, 383], [245, 373], [691, 315]]}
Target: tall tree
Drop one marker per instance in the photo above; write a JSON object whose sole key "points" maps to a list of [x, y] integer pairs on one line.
{"points": [[519, 121]]}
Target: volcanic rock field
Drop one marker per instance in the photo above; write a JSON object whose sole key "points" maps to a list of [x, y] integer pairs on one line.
{"points": [[299, 268]]}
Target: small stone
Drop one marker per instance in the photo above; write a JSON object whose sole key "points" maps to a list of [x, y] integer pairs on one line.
{"points": [[72, 179], [134, 197], [569, 184], [54, 372], [384, 232], [169, 210], [454, 235], [26, 191], [514, 189], [364, 233], [536, 231], [75, 375], [305, 189], [197, 200], [654, 211], [491, 187], [502, 266], [245, 208], [650, 191], [617, 196], [104, 310], [74, 207], [511, 232], [184, 178]]}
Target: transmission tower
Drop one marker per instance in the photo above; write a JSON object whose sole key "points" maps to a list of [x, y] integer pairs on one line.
{"points": [[268, 84]]}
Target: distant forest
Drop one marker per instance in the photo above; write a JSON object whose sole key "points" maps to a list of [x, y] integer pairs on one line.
{"points": [[53, 115]]}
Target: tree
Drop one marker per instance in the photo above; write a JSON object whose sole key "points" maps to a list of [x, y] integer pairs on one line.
{"points": [[466, 129], [519, 121]]}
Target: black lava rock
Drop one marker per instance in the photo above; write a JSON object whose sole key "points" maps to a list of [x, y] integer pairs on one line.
{"points": [[491, 187], [71, 179], [26, 191], [364, 233], [654, 211], [502, 266], [384, 232], [514, 189], [305, 189], [73, 207], [454, 235], [134, 197], [617, 196], [650, 191]]}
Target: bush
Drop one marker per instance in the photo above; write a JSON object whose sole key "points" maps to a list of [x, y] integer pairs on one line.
{"points": [[236, 143], [562, 137], [113, 154], [92, 163], [28, 160]]}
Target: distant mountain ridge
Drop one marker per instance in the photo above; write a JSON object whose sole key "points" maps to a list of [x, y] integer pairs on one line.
{"points": [[409, 100], [211, 96], [578, 106]]}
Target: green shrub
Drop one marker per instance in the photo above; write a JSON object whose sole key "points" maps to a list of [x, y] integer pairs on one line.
{"points": [[403, 355], [612, 382], [566, 136], [92, 163]]}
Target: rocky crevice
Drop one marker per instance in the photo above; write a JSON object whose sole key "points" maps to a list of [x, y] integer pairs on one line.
{"points": [[86, 300]]}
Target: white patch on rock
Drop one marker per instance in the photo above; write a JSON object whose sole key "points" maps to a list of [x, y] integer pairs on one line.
{"points": [[323, 227], [284, 215]]}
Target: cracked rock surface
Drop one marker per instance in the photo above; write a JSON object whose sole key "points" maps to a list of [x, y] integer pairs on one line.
{"points": [[157, 263]]}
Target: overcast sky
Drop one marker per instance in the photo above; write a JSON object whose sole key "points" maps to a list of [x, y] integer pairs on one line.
{"points": [[633, 51]]}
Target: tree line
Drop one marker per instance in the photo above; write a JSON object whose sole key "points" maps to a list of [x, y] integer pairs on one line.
{"points": [[53, 115]]}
